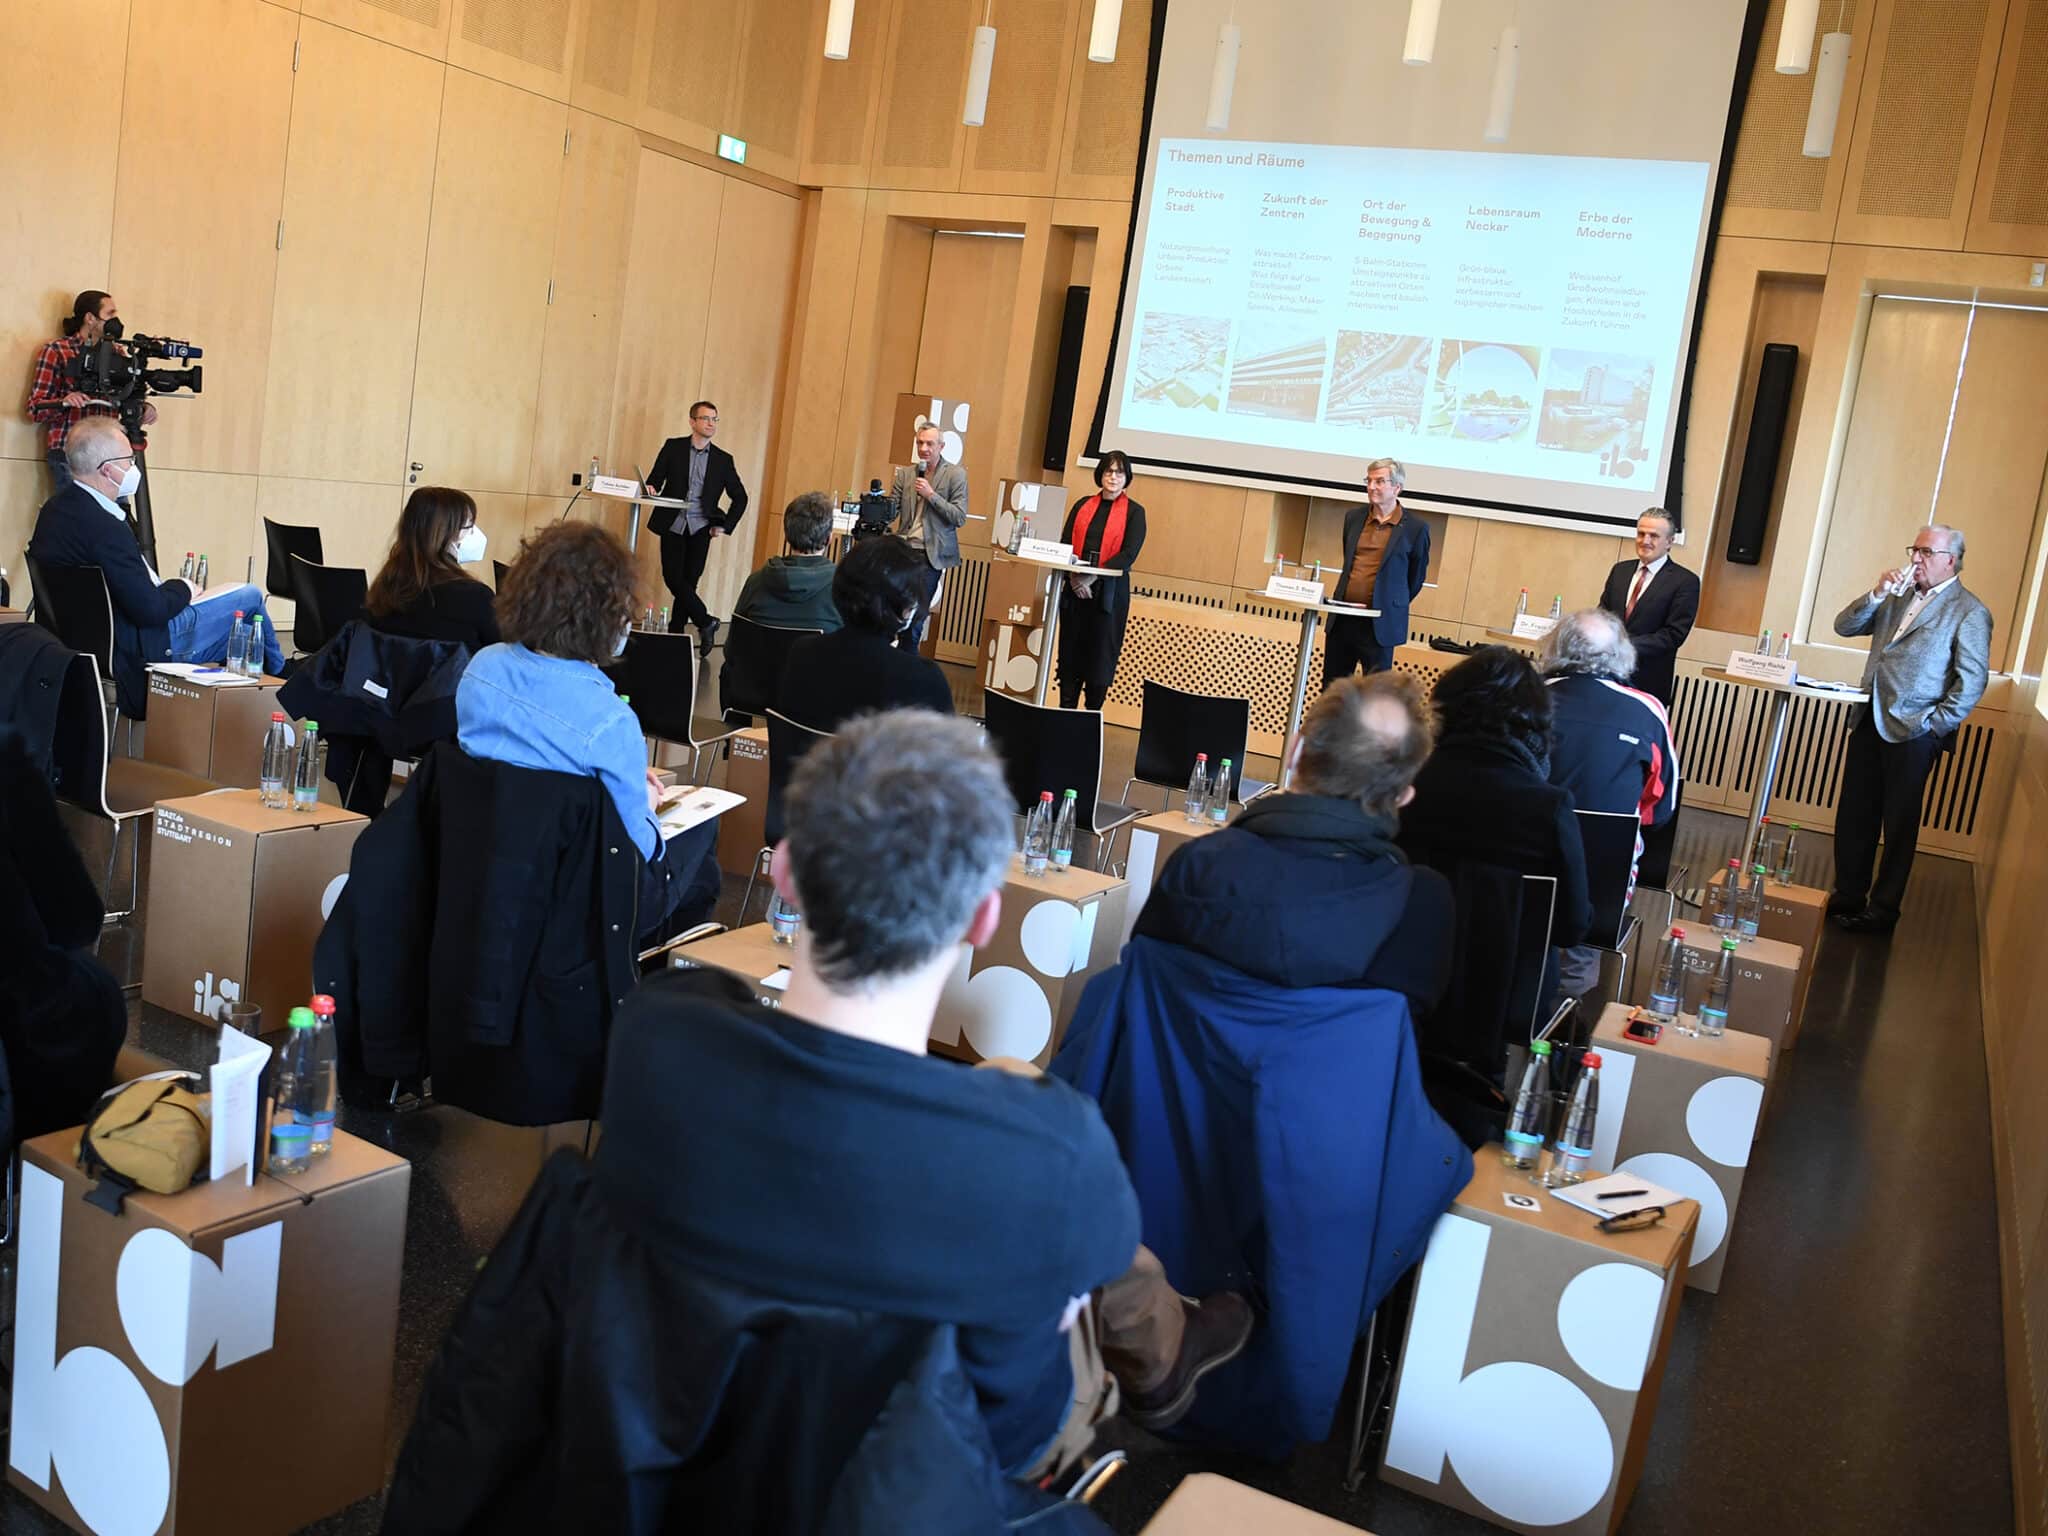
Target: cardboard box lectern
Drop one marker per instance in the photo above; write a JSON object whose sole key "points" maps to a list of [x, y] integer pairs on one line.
{"points": [[211, 1363], [237, 896]]}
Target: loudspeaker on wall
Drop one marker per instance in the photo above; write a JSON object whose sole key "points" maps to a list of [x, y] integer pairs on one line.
{"points": [[1752, 514]]}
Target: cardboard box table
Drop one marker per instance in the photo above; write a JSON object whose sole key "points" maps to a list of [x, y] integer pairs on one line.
{"points": [[1534, 1356], [213, 730], [1684, 1113], [740, 832], [1766, 985], [1013, 997], [1208, 1505], [1154, 840], [1793, 914], [211, 1363], [12, 616], [237, 896]]}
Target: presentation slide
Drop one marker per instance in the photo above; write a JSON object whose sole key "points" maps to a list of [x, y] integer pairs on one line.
{"points": [[1520, 316]]}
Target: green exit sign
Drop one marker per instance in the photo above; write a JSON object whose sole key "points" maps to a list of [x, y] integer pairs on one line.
{"points": [[730, 148]]}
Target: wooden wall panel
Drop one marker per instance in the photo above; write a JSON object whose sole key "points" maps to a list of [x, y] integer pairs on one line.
{"points": [[1017, 148], [526, 43], [746, 337], [1773, 189], [1105, 111], [692, 62], [358, 188], [420, 25], [906, 278], [612, 58], [2010, 212], [1920, 125], [772, 60], [579, 357], [195, 225], [1550, 562], [813, 396], [210, 514], [843, 101], [921, 138], [497, 181], [355, 520], [45, 261], [24, 487], [963, 351]]}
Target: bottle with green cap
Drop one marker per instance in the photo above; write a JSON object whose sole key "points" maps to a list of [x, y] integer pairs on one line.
{"points": [[291, 1121], [1713, 1019], [306, 772], [1063, 835], [1529, 1122]]}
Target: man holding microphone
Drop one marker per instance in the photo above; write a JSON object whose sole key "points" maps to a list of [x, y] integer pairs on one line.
{"points": [[929, 503]]}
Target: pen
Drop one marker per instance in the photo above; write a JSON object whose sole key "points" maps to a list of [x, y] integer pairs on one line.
{"points": [[1621, 1194]]}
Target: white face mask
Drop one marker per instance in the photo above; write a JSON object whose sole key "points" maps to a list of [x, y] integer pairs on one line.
{"points": [[131, 481], [470, 545]]}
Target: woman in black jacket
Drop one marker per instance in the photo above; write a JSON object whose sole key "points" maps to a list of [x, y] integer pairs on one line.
{"points": [[422, 592], [1106, 529], [859, 669]]}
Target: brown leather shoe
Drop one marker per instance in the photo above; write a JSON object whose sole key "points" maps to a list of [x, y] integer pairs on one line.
{"points": [[1218, 1328]]}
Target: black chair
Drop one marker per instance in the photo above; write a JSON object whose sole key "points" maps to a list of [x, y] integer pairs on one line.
{"points": [[1046, 748], [754, 657], [282, 541], [328, 596], [1610, 842], [498, 570], [658, 675], [1174, 725], [787, 744], [72, 603]]}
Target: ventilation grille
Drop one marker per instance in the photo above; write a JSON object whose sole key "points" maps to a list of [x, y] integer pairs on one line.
{"points": [[695, 42], [535, 32], [1913, 161], [1187, 646], [1023, 112], [425, 13], [1105, 141], [1769, 171], [2019, 195], [925, 86], [960, 609], [607, 61]]}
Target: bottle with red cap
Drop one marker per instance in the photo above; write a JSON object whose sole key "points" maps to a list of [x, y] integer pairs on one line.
{"points": [[1667, 980], [1573, 1150], [1038, 835], [320, 1068], [276, 770]]}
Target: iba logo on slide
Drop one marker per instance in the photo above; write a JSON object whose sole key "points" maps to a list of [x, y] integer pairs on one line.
{"points": [[88, 1417]]}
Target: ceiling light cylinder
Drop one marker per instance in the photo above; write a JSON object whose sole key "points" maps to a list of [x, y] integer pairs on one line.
{"points": [[1223, 77], [1420, 45], [1500, 105], [838, 29], [1102, 32], [979, 67], [1795, 36], [1828, 80]]}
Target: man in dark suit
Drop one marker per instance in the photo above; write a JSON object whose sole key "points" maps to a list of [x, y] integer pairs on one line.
{"points": [[154, 620], [1656, 600], [703, 476], [1386, 560]]}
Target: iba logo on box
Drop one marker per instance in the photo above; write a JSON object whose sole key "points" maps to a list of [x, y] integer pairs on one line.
{"points": [[211, 999]]}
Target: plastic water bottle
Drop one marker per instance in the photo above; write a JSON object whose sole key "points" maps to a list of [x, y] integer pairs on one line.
{"points": [[783, 919], [257, 655], [1722, 899], [199, 575], [1557, 605], [6, 597], [1063, 835], [648, 622], [1573, 1149], [1196, 806], [1023, 529], [306, 772], [1524, 1145], [323, 1075], [1785, 644], [1667, 980], [190, 569], [1763, 643], [1218, 808], [664, 618], [238, 645], [291, 1120], [1016, 532], [277, 761], [1038, 835], [1749, 907], [1522, 604], [1714, 1011], [1787, 854], [592, 478]]}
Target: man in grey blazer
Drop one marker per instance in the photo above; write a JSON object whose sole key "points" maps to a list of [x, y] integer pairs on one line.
{"points": [[1930, 655], [930, 502]]}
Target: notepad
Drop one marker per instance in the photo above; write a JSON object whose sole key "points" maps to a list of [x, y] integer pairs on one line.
{"points": [[1586, 1196], [695, 808], [203, 674]]}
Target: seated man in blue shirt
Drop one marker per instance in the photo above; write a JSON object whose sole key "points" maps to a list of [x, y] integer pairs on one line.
{"points": [[155, 618], [822, 1157], [540, 700]]}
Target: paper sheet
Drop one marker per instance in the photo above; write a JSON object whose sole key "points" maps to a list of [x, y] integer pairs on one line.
{"points": [[1586, 1196], [235, 1079], [205, 675], [697, 807], [777, 980]]}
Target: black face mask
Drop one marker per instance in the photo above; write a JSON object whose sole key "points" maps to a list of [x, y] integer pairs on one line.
{"points": [[114, 330]]}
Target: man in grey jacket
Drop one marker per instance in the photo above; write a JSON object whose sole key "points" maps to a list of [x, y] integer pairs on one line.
{"points": [[1930, 655], [930, 498]]}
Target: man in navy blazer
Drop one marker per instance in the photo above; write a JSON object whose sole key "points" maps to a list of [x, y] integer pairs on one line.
{"points": [[1657, 600], [155, 619], [1386, 560]]}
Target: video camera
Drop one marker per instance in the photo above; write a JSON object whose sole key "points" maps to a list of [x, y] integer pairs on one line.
{"points": [[874, 512], [117, 372]]}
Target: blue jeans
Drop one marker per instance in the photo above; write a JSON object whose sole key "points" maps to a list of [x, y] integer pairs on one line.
{"points": [[200, 632]]}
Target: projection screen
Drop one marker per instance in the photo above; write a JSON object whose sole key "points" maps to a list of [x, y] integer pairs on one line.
{"points": [[1351, 270]]}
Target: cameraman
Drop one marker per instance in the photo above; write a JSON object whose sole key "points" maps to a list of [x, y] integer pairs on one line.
{"points": [[52, 401]]}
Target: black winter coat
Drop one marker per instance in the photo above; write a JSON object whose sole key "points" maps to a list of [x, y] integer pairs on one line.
{"points": [[377, 697]]}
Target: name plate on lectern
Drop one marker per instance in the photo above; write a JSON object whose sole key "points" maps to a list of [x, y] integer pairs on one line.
{"points": [[1046, 549], [1533, 626], [613, 485], [1780, 670], [1294, 589]]}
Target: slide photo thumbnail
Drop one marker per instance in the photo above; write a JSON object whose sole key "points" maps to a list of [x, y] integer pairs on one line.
{"points": [[1595, 401], [1278, 374], [1179, 361], [1485, 392], [1379, 381]]}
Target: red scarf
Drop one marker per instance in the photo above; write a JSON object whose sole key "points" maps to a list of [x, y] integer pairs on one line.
{"points": [[1112, 531]]}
